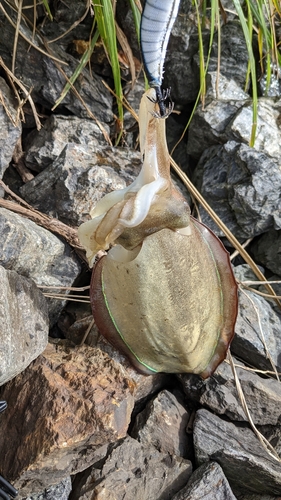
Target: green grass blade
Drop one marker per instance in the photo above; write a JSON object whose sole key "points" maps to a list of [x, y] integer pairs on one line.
{"points": [[47, 8], [248, 40], [84, 60], [201, 53], [104, 16], [136, 16]]}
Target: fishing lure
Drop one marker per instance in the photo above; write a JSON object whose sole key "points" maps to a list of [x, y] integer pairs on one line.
{"points": [[165, 293], [157, 21]]}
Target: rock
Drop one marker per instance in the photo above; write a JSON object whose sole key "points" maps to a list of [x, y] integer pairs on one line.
{"points": [[210, 122], [145, 385], [43, 147], [133, 97], [60, 491], [257, 497], [243, 186], [9, 133], [74, 321], [208, 482], [70, 187], [245, 463], [174, 131], [67, 23], [162, 424], [267, 250], [229, 117], [36, 253], [243, 272], [223, 89], [268, 135], [24, 325], [135, 471], [247, 343], [219, 394], [67, 404], [233, 53], [41, 74], [274, 87]]}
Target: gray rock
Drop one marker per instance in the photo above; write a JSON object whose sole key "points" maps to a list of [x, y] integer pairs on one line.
{"points": [[243, 186], [43, 147], [268, 135], [209, 125], [273, 89], [41, 74], [9, 134], [233, 53], [70, 187], [229, 116], [60, 491], [219, 394], [133, 96], [223, 89], [243, 272], [65, 15], [208, 482], [245, 463], [24, 325], [247, 343], [134, 471], [267, 251], [162, 424], [36, 253], [257, 497]]}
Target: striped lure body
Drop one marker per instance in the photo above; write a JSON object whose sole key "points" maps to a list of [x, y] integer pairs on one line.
{"points": [[157, 21]]}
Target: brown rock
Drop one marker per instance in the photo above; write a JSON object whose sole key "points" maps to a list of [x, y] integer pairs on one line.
{"points": [[146, 385], [74, 322], [66, 405]]}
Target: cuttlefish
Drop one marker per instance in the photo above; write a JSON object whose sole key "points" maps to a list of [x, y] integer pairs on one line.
{"points": [[165, 294]]}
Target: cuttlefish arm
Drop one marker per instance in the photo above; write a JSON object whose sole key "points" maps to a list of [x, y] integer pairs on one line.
{"points": [[148, 205]]}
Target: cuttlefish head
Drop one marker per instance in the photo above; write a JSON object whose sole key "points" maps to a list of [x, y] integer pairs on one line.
{"points": [[151, 203]]}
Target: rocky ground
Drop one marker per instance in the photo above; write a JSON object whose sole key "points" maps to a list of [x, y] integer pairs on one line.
{"points": [[81, 423]]}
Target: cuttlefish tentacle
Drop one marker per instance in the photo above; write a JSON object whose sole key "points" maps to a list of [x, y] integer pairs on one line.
{"points": [[148, 204]]}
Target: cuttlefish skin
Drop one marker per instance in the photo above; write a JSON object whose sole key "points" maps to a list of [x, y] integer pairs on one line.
{"points": [[163, 310], [165, 294]]}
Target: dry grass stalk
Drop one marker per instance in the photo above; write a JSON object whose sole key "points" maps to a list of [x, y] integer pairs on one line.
{"points": [[264, 442], [30, 42], [22, 87], [268, 355], [49, 223]]}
